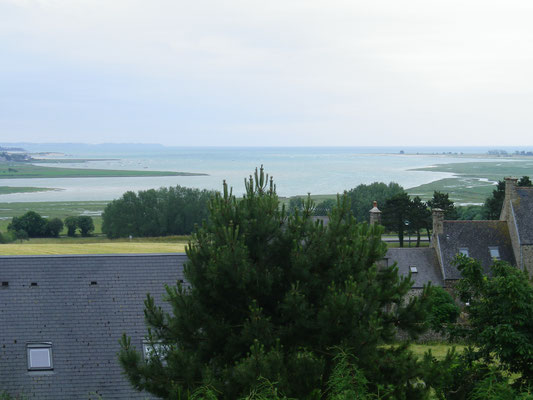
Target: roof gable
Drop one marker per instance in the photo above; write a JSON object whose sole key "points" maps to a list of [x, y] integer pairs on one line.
{"points": [[477, 237], [423, 258]]}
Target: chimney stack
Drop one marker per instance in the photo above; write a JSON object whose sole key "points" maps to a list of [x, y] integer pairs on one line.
{"points": [[375, 214], [438, 225], [510, 195]]}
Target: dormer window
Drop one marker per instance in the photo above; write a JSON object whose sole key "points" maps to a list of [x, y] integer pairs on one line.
{"points": [[464, 251], [413, 269], [494, 252]]}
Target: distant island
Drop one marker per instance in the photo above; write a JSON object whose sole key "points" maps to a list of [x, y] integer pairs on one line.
{"points": [[26, 170], [24, 189]]}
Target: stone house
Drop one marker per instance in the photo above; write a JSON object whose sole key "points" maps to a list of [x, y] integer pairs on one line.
{"points": [[509, 239]]}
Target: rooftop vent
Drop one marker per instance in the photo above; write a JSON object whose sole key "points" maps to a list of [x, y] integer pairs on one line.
{"points": [[5, 284], [34, 284], [94, 283]]}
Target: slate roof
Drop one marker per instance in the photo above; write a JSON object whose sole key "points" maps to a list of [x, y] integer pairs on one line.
{"points": [[425, 260], [523, 211], [477, 236], [83, 321]]}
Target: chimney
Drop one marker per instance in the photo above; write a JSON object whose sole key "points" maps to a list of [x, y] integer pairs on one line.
{"points": [[375, 214], [510, 195], [438, 226]]}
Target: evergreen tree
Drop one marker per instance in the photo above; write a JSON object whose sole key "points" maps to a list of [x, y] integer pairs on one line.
{"points": [[442, 201], [395, 214], [274, 295], [493, 205], [419, 217], [362, 197]]}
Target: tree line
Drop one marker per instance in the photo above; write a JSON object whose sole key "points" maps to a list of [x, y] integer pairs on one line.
{"points": [[156, 212], [279, 305], [33, 225]]}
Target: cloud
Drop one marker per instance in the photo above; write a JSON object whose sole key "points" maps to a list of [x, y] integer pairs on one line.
{"points": [[339, 72]]}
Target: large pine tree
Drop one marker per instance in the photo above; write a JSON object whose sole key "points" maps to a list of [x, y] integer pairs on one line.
{"points": [[276, 296]]}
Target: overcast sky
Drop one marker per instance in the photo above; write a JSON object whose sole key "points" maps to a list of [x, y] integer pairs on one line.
{"points": [[269, 72]]}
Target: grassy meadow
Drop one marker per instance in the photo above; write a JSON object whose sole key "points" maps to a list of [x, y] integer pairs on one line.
{"points": [[95, 245]]}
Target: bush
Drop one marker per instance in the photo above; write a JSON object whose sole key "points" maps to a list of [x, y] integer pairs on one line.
{"points": [[444, 311], [72, 224], [86, 225], [53, 227], [500, 315], [162, 212]]}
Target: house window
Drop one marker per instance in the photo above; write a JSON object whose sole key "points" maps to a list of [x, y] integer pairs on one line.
{"points": [[494, 252], [413, 269], [463, 251], [40, 356], [154, 350]]}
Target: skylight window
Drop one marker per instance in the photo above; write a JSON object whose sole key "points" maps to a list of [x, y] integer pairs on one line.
{"points": [[40, 356], [494, 252], [413, 269], [463, 251]]}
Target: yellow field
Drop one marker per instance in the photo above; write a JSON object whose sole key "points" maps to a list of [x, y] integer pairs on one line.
{"points": [[110, 247]]}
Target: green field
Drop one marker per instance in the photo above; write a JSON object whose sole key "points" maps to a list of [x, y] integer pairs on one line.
{"points": [[95, 245], [12, 189], [21, 170]]}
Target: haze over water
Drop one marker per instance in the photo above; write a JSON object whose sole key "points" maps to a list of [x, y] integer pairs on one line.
{"points": [[296, 171]]}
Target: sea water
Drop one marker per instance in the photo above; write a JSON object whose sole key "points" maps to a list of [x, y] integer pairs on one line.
{"points": [[296, 171]]}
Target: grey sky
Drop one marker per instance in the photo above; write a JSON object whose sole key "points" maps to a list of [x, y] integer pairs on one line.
{"points": [[277, 72]]}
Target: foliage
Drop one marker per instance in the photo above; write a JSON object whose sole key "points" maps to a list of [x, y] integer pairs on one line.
{"points": [[53, 227], [470, 213], [320, 209], [419, 217], [162, 212], [272, 295], [362, 197], [442, 201], [31, 223], [395, 214], [72, 224], [325, 207], [444, 311], [6, 396], [86, 225], [500, 315], [493, 205]]}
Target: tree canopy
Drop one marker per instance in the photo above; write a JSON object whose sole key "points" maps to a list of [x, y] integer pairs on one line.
{"points": [[277, 295], [493, 204], [161, 212], [362, 197]]}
